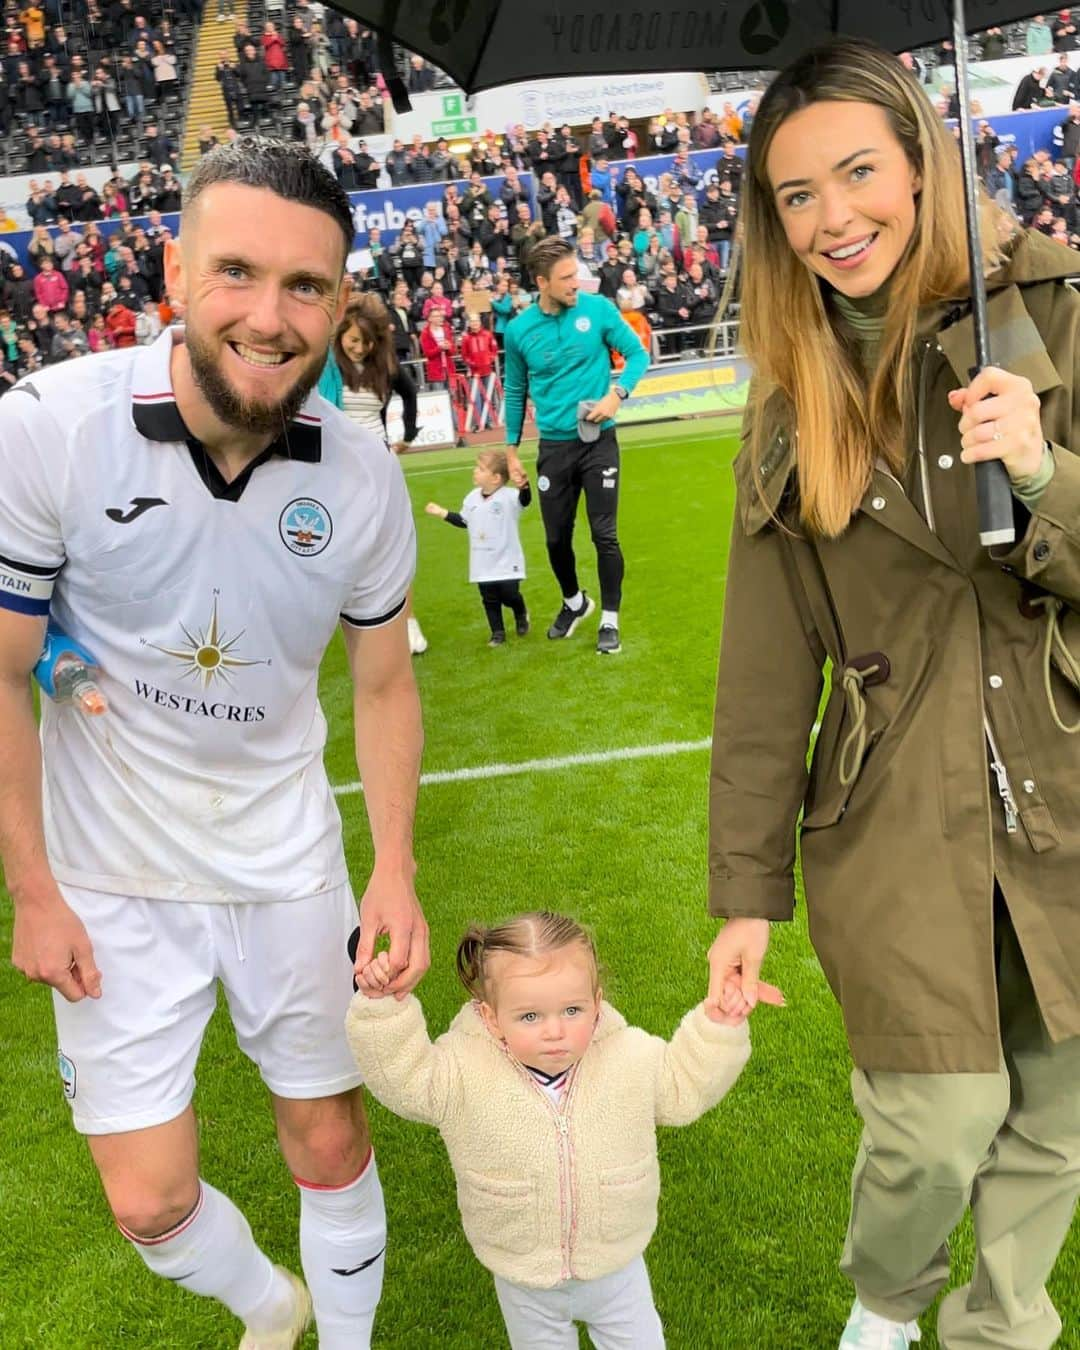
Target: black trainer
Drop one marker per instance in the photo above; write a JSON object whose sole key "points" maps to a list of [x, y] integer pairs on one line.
{"points": [[497, 640], [568, 619], [521, 626], [607, 640]]}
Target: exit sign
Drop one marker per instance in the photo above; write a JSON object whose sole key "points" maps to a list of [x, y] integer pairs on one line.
{"points": [[454, 121], [455, 126]]}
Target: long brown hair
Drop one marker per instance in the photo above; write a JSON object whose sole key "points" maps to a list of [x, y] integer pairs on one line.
{"points": [[842, 425], [378, 368], [534, 934]]}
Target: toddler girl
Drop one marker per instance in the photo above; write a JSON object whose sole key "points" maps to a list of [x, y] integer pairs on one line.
{"points": [[490, 513], [548, 1105]]}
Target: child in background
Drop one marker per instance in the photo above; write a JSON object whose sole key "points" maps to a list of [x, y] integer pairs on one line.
{"points": [[548, 1104], [490, 513]]}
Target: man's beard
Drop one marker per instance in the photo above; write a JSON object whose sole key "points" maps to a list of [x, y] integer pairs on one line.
{"points": [[235, 411]]}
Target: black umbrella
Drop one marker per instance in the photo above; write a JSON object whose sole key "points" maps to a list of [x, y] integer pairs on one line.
{"points": [[481, 43]]}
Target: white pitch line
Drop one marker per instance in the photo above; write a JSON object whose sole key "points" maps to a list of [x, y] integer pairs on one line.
{"points": [[548, 765], [664, 748]]}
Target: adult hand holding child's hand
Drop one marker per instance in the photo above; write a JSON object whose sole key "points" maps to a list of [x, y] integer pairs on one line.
{"points": [[735, 959]]}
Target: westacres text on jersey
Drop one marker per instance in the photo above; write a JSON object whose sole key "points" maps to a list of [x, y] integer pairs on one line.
{"points": [[198, 707]]}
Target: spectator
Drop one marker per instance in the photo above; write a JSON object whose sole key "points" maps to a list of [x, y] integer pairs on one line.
{"points": [[275, 57], [255, 82], [1070, 135], [41, 246], [336, 123], [345, 170], [631, 294], [299, 51], [169, 194], [370, 120], [80, 99], [686, 221], [1039, 37], [306, 127], [148, 325], [706, 134], [421, 77], [400, 323], [68, 340], [1032, 92], [993, 45], [1065, 35], [396, 164], [119, 319], [228, 77], [703, 297], [432, 231], [437, 300], [986, 149], [158, 149], [442, 165], [1061, 86], [99, 337], [673, 312], [437, 345], [409, 255], [207, 139], [50, 287]]}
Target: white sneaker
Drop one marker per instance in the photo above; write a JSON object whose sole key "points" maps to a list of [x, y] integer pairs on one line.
{"points": [[288, 1337], [417, 641], [867, 1331]]}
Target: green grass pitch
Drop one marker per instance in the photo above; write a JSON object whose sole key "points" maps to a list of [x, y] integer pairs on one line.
{"points": [[754, 1200]]}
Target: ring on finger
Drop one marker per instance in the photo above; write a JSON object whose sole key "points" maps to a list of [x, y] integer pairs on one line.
{"points": [[997, 431]]}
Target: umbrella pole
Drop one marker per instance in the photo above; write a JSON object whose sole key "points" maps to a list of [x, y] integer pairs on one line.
{"points": [[992, 485]]}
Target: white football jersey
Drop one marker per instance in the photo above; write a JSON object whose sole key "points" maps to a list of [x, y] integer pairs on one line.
{"points": [[209, 607], [495, 552]]}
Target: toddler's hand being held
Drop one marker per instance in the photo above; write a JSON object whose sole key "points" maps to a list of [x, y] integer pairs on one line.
{"points": [[767, 993]]}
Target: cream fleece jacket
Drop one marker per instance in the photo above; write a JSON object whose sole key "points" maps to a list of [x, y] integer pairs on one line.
{"points": [[548, 1193]]}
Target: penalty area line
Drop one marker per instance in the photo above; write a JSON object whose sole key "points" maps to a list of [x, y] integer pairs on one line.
{"points": [[660, 751]]}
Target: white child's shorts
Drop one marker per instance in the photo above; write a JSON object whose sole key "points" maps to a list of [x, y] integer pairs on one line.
{"points": [[617, 1309], [127, 1059]]}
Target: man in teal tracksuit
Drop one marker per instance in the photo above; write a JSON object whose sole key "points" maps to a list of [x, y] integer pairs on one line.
{"points": [[558, 351]]}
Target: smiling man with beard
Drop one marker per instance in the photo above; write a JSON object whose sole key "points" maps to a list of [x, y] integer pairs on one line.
{"points": [[202, 519]]}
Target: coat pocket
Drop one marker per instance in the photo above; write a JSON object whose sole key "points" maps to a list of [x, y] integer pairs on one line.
{"points": [[501, 1212], [831, 801], [628, 1197]]}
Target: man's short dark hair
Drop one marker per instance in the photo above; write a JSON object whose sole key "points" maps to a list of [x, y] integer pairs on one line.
{"points": [[288, 170], [546, 254]]}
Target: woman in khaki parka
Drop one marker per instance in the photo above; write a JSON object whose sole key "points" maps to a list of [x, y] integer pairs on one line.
{"points": [[940, 834]]}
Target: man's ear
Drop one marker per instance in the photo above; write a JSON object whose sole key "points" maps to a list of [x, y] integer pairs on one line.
{"points": [[175, 282]]}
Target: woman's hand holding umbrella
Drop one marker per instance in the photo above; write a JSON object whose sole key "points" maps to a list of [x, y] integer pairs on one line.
{"points": [[1001, 420]]}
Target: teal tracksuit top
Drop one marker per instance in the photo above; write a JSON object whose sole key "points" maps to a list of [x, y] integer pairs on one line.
{"points": [[561, 359]]}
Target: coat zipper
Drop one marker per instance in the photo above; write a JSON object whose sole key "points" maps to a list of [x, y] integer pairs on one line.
{"points": [[997, 764], [567, 1217]]}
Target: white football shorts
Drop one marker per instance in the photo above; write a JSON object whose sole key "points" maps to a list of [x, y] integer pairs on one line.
{"points": [[127, 1059]]}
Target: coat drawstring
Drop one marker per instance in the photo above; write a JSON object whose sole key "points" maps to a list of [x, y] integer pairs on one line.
{"points": [[854, 746], [1055, 646]]}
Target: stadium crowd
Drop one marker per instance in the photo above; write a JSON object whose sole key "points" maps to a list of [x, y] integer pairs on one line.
{"points": [[660, 255], [659, 250]]}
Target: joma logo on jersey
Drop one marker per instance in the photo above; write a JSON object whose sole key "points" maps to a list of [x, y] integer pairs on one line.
{"points": [[305, 527]]}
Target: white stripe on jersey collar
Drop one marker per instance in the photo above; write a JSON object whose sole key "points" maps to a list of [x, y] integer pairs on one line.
{"points": [[157, 417]]}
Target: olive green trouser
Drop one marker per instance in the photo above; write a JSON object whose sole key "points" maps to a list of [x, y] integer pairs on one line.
{"points": [[1008, 1144]]}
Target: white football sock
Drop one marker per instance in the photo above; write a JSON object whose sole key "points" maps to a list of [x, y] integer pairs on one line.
{"points": [[574, 601], [609, 617], [212, 1252], [343, 1252]]}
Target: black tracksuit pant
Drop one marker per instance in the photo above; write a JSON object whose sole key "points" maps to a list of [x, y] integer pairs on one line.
{"points": [[564, 470], [495, 594]]}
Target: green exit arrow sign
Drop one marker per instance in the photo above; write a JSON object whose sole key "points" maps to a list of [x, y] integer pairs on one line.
{"points": [[455, 126]]}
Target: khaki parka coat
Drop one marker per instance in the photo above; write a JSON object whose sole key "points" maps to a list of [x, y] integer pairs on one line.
{"points": [[936, 647]]}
